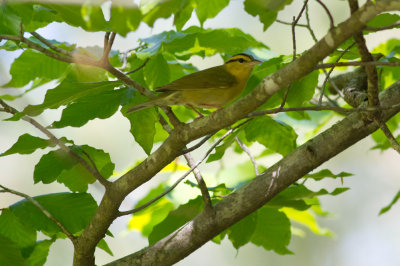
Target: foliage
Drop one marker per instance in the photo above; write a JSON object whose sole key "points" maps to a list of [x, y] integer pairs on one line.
{"points": [[87, 93]]}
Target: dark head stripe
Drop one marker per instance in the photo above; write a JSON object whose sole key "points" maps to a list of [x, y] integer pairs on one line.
{"points": [[241, 55]]}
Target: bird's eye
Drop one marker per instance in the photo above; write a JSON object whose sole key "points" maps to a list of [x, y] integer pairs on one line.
{"points": [[241, 60]]}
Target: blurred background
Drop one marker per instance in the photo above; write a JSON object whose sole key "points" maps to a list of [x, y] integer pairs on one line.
{"points": [[361, 237]]}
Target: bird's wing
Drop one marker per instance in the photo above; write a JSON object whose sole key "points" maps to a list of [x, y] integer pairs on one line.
{"points": [[212, 78]]}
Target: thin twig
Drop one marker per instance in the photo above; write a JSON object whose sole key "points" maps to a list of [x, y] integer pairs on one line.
{"points": [[194, 147], [389, 135], [290, 23], [247, 150], [49, 44], [329, 73], [327, 12], [357, 63], [59, 143], [139, 67], [230, 131], [42, 209]]}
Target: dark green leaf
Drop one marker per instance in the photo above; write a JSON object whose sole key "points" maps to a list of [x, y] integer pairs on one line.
{"points": [[241, 232], [72, 210], [14, 229], [274, 135], [327, 173], [104, 246], [209, 8], [9, 20], [142, 123], [100, 105], [68, 92], [125, 16], [10, 254], [176, 218], [156, 72], [40, 252], [383, 20], [388, 207], [27, 144], [31, 65], [272, 231], [267, 10]]}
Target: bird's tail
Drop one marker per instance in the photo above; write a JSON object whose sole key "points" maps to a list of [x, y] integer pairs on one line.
{"points": [[141, 106]]}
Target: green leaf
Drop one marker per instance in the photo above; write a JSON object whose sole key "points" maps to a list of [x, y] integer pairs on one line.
{"points": [[220, 150], [241, 232], [272, 231], [274, 135], [99, 105], [156, 72], [303, 90], [383, 20], [32, 65], [145, 220], [14, 229], [72, 210], [89, 17], [10, 254], [176, 219], [27, 144], [307, 219], [388, 207], [68, 92], [327, 173], [59, 165], [40, 252], [142, 123], [209, 8], [125, 16], [267, 10], [9, 20], [104, 246]]}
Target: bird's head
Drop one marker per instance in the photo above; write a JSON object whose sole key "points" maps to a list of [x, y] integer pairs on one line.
{"points": [[240, 65]]}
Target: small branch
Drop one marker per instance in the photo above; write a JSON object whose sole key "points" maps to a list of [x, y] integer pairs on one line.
{"points": [[389, 135], [388, 27], [43, 210], [290, 23], [59, 143], [329, 73], [197, 145], [247, 150], [357, 63], [327, 12], [50, 45], [200, 182], [108, 43], [139, 67]]}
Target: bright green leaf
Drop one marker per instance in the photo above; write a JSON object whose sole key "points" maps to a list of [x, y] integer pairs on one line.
{"points": [[40, 252], [14, 229], [209, 8], [125, 16], [274, 135], [156, 72], [303, 90], [327, 173], [72, 210], [383, 20], [388, 207], [307, 219]]}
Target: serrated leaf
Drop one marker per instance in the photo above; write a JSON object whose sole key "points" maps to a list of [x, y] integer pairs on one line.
{"points": [[125, 16], [32, 65], [267, 10], [327, 173], [388, 207], [156, 72], [241, 232], [145, 220], [100, 105], [10, 254], [72, 210], [209, 8], [40, 252], [68, 92], [14, 229], [176, 218], [27, 144], [272, 230], [142, 123], [274, 135]]}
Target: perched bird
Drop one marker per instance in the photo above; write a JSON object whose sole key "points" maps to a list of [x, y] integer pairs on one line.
{"points": [[210, 88]]}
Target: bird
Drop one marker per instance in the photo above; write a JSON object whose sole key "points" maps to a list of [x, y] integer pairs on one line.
{"points": [[209, 88]]}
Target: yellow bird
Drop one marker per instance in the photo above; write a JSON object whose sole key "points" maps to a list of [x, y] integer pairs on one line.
{"points": [[210, 88]]}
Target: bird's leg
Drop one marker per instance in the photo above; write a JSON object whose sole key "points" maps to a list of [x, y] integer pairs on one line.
{"points": [[197, 111]]}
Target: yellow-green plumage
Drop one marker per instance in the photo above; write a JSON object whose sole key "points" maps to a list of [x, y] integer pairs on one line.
{"points": [[210, 88]]}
